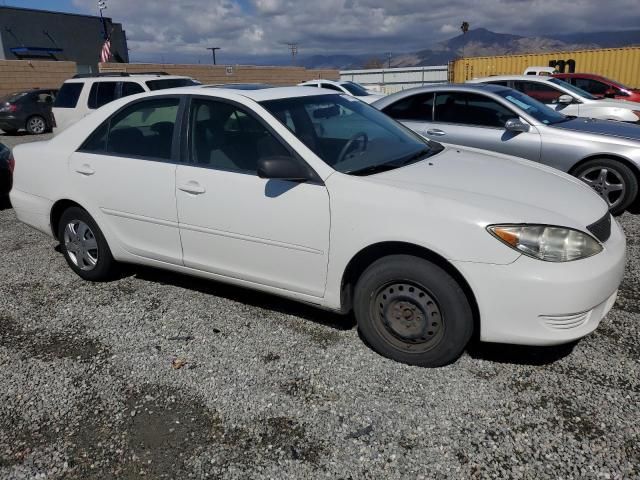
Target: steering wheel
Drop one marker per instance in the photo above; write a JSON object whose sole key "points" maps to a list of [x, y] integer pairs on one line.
{"points": [[347, 147]]}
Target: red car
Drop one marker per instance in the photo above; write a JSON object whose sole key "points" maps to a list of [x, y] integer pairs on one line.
{"points": [[600, 86]]}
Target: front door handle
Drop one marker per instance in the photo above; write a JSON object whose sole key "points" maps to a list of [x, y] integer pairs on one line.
{"points": [[85, 169], [192, 187], [436, 132]]}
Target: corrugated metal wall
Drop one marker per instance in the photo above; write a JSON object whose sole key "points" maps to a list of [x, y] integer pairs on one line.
{"points": [[621, 64], [389, 80]]}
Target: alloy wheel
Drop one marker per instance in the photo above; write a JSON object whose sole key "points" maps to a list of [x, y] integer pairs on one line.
{"points": [[81, 245], [607, 183], [36, 125]]}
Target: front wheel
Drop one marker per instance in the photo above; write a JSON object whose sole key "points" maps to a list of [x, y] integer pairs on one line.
{"points": [[412, 311], [612, 180], [84, 246]]}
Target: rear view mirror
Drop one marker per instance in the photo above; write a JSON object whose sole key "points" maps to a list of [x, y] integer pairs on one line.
{"points": [[327, 112], [516, 125], [565, 99], [283, 168]]}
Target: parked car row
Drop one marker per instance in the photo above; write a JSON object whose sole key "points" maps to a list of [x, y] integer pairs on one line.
{"points": [[314, 195]]}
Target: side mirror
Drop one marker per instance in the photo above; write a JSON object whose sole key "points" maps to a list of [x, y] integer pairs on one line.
{"points": [[283, 168], [516, 125], [565, 99]]}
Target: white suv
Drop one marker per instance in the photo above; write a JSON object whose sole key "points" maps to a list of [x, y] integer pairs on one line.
{"points": [[82, 94]]}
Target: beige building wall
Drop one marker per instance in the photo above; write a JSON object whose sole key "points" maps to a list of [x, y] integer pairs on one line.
{"points": [[212, 74], [16, 75]]}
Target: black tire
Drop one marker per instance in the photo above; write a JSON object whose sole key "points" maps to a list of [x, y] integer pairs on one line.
{"points": [[617, 174], [412, 311], [36, 125], [105, 267]]}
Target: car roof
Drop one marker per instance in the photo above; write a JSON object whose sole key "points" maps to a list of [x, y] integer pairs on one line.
{"points": [[330, 82], [131, 77], [440, 87], [240, 86], [580, 75], [259, 95]]}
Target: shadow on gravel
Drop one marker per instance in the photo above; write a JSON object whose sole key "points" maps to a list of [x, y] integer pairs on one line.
{"points": [[246, 296], [5, 203], [519, 354]]}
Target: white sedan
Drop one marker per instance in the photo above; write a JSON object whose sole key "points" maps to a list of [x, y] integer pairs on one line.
{"points": [[566, 98], [347, 87], [321, 198]]}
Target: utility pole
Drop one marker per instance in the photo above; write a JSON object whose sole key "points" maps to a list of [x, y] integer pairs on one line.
{"points": [[213, 51], [294, 51], [388, 59]]}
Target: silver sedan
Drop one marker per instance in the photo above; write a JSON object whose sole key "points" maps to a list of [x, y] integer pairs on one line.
{"points": [[604, 154]]}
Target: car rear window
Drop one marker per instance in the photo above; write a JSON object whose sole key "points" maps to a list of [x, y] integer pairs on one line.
{"points": [[12, 97], [170, 83], [68, 95], [102, 93]]}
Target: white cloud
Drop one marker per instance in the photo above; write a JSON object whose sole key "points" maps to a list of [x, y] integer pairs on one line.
{"points": [[259, 27]]}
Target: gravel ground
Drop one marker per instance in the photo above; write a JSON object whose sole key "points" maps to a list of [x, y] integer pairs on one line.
{"points": [[271, 389]]}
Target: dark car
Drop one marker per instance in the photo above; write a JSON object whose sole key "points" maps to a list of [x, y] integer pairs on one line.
{"points": [[6, 175], [30, 110], [600, 86]]}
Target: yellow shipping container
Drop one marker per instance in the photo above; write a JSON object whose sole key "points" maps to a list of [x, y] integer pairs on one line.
{"points": [[621, 64]]}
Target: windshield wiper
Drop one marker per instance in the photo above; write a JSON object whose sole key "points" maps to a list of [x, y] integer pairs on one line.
{"points": [[397, 163]]}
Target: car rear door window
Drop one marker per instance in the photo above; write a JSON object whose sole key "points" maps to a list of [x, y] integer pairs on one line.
{"points": [[331, 87], [68, 95], [143, 129], [131, 88], [415, 107], [540, 91], [227, 137], [102, 93], [470, 109]]}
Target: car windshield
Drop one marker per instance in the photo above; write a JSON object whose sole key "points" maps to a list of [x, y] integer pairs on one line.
{"points": [[355, 89], [170, 83], [349, 135], [536, 109], [573, 88]]}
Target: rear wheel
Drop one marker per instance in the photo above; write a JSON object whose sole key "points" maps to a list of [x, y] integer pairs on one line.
{"points": [[84, 246], [412, 311], [612, 180], [36, 125]]}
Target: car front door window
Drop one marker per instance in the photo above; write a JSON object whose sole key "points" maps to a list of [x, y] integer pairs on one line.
{"points": [[470, 109], [226, 137]]}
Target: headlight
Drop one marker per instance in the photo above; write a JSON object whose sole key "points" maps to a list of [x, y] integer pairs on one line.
{"points": [[551, 244]]}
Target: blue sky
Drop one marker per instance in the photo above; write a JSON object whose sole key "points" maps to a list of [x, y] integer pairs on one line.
{"points": [[180, 30]]}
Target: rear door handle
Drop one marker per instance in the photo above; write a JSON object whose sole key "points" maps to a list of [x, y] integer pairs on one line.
{"points": [[436, 132], [85, 169], [192, 187]]}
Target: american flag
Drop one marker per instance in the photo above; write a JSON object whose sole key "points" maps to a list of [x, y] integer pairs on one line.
{"points": [[105, 53]]}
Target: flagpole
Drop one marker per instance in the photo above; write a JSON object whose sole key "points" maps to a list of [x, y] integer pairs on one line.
{"points": [[102, 5]]}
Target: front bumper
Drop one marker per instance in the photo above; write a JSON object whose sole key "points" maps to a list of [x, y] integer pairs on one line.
{"points": [[531, 302]]}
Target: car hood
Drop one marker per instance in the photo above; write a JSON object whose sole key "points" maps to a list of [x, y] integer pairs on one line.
{"points": [[499, 188], [601, 127], [613, 103]]}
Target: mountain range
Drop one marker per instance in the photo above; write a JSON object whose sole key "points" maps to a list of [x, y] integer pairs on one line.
{"points": [[477, 42]]}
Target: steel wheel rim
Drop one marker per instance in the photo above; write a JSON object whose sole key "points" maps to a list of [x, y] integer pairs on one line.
{"points": [[81, 245], [607, 183], [36, 125], [408, 316]]}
